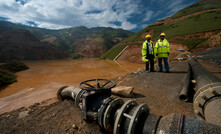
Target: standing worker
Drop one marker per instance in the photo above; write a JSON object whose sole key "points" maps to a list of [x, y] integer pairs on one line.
{"points": [[162, 51], [148, 53]]}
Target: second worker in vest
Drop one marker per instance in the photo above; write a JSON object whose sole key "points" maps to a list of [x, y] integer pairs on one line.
{"points": [[148, 53], [162, 51]]}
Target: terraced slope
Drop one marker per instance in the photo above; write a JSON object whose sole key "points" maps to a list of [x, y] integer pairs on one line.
{"points": [[197, 26]]}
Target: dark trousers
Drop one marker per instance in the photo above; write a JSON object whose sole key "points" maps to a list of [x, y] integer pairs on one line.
{"points": [[151, 61], [166, 65]]}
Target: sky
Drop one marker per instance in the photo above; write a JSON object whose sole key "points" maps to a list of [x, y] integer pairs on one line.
{"points": [[133, 15]]}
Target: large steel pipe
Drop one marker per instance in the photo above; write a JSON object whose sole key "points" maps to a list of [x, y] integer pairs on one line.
{"points": [[114, 115], [207, 98], [202, 75]]}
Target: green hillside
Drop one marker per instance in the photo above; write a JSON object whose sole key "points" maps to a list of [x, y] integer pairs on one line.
{"points": [[199, 6], [113, 52], [207, 21], [198, 23]]}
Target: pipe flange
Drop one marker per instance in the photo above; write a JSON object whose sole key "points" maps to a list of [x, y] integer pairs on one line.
{"points": [[108, 120], [142, 108], [78, 98], [59, 95], [120, 115], [203, 95], [102, 110]]}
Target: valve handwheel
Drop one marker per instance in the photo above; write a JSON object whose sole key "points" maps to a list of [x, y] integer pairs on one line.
{"points": [[99, 84]]}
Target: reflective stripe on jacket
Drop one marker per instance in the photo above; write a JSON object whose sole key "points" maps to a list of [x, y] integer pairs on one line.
{"points": [[145, 52], [162, 48]]}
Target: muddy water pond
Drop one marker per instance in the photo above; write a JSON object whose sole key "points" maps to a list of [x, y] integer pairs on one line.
{"points": [[44, 78]]}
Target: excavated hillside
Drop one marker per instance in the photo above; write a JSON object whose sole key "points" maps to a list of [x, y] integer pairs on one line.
{"points": [[76, 41], [133, 52], [195, 28]]}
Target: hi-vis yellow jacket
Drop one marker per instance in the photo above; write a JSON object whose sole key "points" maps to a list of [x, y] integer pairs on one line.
{"points": [[162, 48], [145, 54]]}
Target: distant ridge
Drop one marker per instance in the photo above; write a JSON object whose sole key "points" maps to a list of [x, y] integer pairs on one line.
{"points": [[77, 41], [22, 45]]}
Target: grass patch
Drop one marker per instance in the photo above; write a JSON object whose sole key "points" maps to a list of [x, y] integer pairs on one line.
{"points": [[113, 52]]}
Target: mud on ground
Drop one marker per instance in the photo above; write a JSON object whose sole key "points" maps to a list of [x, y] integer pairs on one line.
{"points": [[158, 90]]}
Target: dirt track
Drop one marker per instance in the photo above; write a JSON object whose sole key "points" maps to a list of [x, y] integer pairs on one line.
{"points": [[158, 90]]}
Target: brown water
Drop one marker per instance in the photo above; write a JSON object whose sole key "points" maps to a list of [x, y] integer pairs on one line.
{"points": [[44, 78]]}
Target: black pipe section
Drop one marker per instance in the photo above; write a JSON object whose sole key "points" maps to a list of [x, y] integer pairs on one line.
{"points": [[208, 88], [115, 115], [186, 86]]}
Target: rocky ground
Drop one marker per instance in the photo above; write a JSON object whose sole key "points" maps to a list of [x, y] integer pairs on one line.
{"points": [[158, 90]]}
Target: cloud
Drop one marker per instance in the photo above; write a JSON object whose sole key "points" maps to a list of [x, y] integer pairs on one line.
{"points": [[128, 25], [148, 16], [169, 7], [144, 25], [175, 6], [57, 14]]}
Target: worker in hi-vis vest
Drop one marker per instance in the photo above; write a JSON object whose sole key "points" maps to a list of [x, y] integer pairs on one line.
{"points": [[162, 52], [148, 53]]}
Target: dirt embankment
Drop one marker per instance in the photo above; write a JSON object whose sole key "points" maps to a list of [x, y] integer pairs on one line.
{"points": [[133, 53], [92, 47], [50, 39], [47, 117], [209, 39]]}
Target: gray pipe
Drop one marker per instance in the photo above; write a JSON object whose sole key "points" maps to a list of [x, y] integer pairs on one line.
{"points": [[202, 75], [208, 88], [180, 124], [212, 110], [68, 92], [186, 85], [74, 93]]}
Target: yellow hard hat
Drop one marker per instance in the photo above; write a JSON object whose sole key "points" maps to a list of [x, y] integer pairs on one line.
{"points": [[148, 36], [162, 34]]}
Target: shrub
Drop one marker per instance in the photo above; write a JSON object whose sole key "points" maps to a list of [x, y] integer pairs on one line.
{"points": [[6, 77]]}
